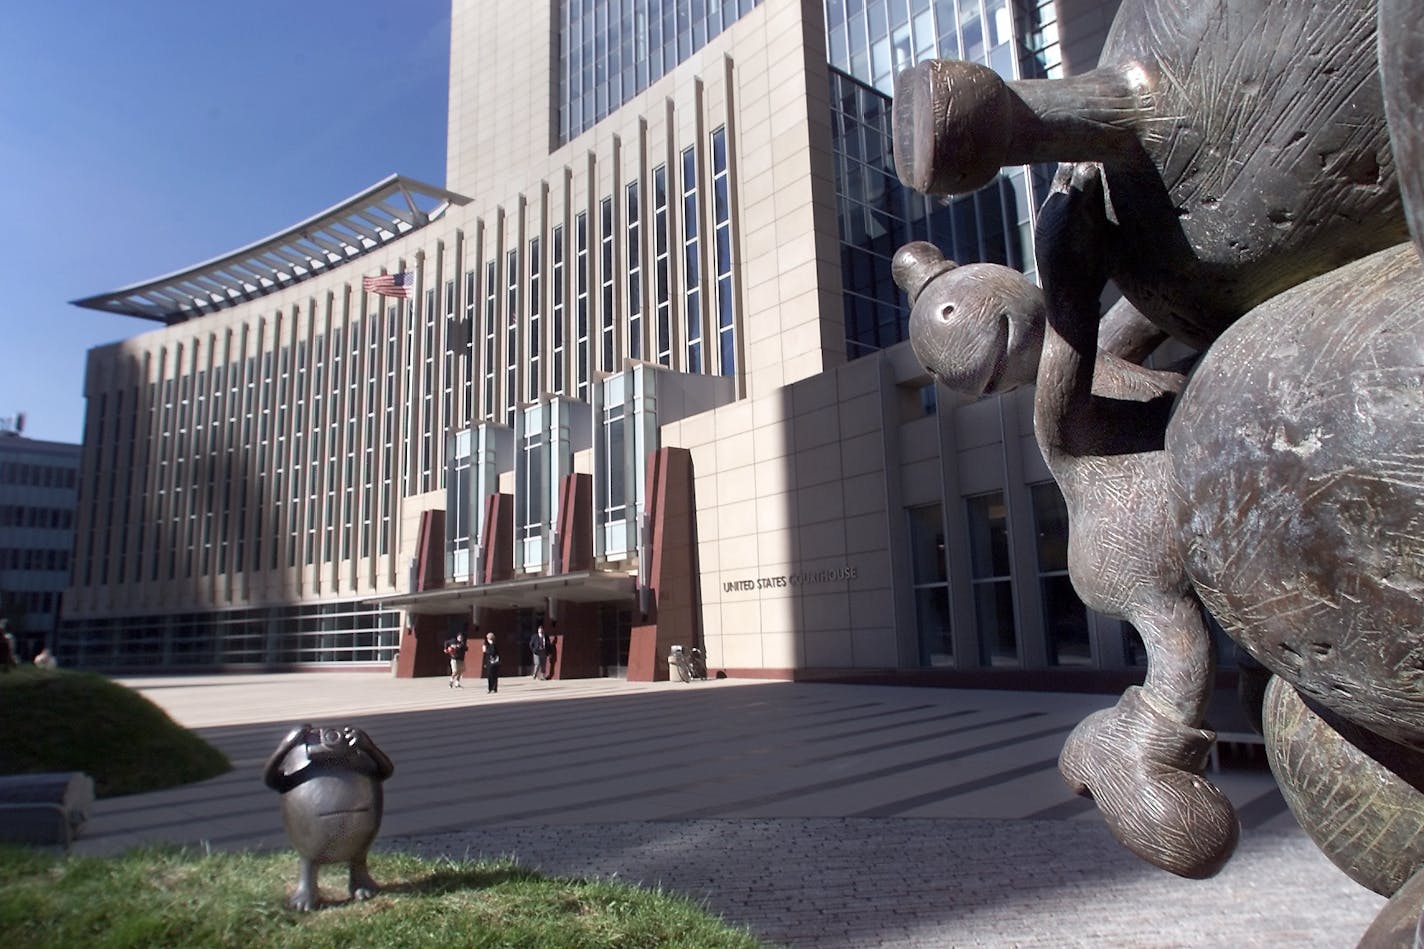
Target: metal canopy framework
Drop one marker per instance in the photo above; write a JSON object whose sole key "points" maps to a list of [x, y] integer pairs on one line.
{"points": [[583, 586], [363, 223]]}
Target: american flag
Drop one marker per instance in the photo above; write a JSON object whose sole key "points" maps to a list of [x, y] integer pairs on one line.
{"points": [[390, 284]]}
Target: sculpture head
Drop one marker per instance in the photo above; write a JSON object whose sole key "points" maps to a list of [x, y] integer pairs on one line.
{"points": [[977, 328]]}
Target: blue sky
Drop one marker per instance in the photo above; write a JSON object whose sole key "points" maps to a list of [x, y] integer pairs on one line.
{"points": [[139, 138]]}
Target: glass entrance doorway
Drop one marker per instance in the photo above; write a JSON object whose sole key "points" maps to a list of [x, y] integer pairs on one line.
{"points": [[615, 634]]}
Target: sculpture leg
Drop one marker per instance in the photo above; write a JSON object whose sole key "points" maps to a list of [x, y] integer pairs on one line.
{"points": [[1400, 924], [362, 886], [1359, 796], [1180, 663], [307, 896]]}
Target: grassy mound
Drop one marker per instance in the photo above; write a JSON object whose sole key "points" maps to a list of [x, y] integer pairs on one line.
{"points": [[183, 898], [76, 721]]}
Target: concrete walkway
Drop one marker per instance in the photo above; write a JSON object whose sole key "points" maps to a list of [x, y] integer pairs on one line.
{"points": [[815, 815]]}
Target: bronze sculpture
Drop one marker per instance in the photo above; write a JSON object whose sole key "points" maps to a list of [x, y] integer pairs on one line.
{"points": [[1232, 168], [332, 803]]}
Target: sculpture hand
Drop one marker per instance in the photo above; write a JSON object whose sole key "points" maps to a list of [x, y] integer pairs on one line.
{"points": [[1074, 237]]}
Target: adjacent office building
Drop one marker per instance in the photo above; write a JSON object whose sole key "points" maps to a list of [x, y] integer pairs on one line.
{"points": [[636, 371], [38, 494]]}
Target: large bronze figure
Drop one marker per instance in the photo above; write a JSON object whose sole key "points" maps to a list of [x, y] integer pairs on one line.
{"points": [[330, 782], [1231, 166]]}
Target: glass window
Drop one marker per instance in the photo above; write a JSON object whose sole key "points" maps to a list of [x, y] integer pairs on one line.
{"points": [[511, 335], [556, 308], [614, 502], [533, 459], [992, 579], [691, 260], [633, 265], [581, 327], [931, 585], [607, 56], [662, 293], [1065, 618], [536, 306], [491, 332], [722, 223], [605, 273]]}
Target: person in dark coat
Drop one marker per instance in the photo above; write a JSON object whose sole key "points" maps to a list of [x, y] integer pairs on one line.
{"points": [[491, 662], [539, 646]]}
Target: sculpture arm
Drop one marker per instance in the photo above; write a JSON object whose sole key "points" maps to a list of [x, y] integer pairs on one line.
{"points": [[272, 774], [1127, 334], [358, 739], [957, 123]]}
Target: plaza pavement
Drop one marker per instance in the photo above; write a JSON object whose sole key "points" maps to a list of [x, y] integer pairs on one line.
{"points": [[813, 814]]}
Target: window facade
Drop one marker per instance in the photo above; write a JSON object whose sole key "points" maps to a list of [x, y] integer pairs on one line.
{"points": [[536, 313], [532, 487], [511, 335], [581, 306], [722, 246], [662, 276], [558, 309], [633, 257], [992, 579], [867, 44], [468, 333], [609, 51], [491, 334], [691, 261], [607, 309], [1065, 618], [931, 585]]}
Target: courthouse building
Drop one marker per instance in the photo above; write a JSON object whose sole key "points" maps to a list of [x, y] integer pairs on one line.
{"points": [[637, 371]]}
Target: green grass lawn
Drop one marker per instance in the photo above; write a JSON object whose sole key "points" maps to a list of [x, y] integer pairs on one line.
{"points": [[172, 897], [76, 721]]}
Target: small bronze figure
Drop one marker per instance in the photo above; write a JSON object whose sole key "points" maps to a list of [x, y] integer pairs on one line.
{"points": [[330, 782]]}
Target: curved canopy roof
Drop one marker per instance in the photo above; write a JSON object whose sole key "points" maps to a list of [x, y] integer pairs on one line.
{"points": [[365, 222]]}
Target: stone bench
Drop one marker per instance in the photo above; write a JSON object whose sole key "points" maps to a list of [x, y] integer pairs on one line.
{"points": [[44, 809]]}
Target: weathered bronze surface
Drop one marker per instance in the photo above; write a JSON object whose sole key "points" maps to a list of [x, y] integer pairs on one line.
{"points": [[332, 803], [1243, 145], [1298, 460], [1243, 170]]}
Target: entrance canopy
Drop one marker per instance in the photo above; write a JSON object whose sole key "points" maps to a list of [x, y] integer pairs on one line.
{"points": [[583, 586]]}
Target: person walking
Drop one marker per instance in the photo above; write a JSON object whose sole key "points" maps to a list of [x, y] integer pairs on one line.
{"points": [[539, 646], [491, 662], [456, 649]]}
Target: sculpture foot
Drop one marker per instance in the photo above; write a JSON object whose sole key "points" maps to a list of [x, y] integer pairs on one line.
{"points": [[1144, 772], [304, 901], [362, 886]]}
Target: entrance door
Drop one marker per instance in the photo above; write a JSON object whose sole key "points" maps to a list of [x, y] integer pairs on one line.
{"points": [[615, 633]]}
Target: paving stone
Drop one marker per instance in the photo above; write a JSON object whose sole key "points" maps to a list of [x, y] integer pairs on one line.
{"points": [[763, 790]]}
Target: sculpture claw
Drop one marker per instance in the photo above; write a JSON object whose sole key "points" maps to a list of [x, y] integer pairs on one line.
{"points": [[1144, 771], [303, 901]]}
